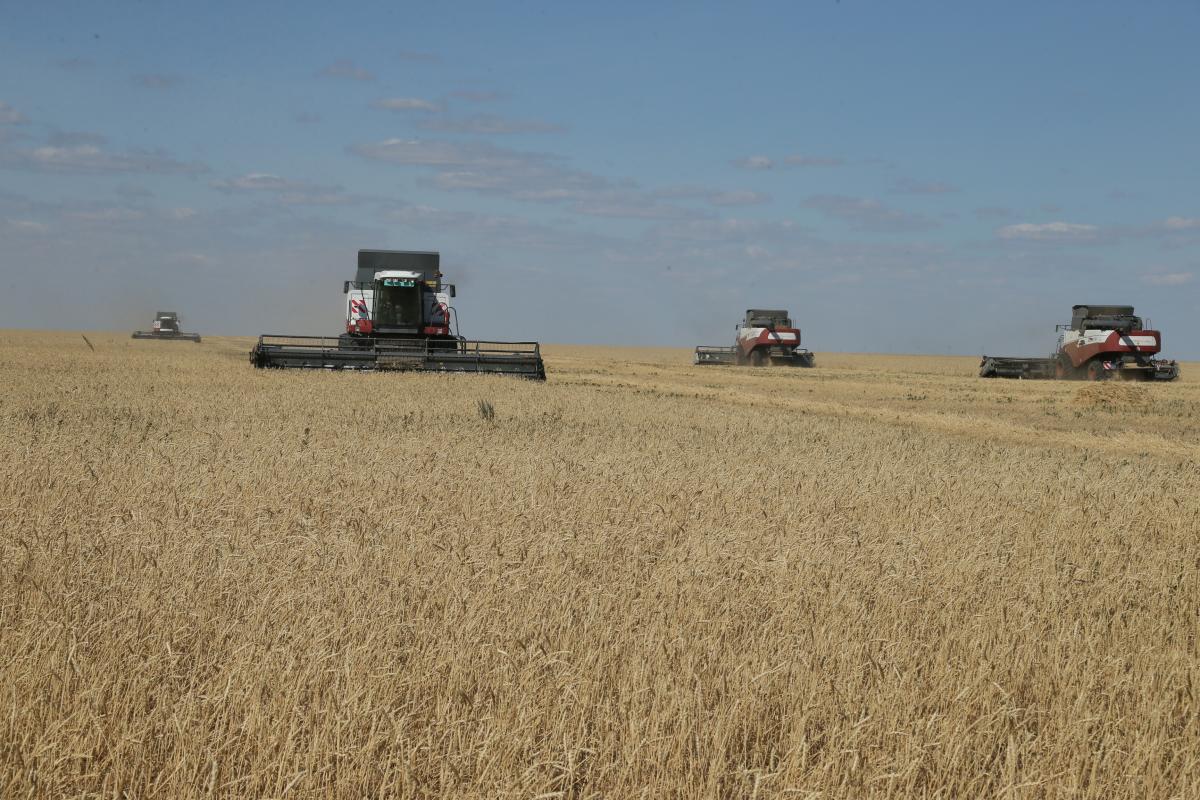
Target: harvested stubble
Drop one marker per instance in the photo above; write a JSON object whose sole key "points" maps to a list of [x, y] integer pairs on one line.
{"points": [[641, 579]]}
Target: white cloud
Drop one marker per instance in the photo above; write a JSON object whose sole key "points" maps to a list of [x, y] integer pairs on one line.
{"points": [[813, 161], [483, 167], [316, 197], [407, 104], [738, 197], [728, 230], [441, 219], [628, 205], [452, 180], [286, 191], [10, 116], [256, 181], [433, 153], [133, 192], [345, 68], [494, 228], [478, 95], [27, 226], [754, 162], [1168, 278], [766, 162], [109, 214], [190, 259], [488, 124], [1050, 231], [717, 197], [519, 175], [1182, 223], [867, 214], [910, 186], [92, 159]]}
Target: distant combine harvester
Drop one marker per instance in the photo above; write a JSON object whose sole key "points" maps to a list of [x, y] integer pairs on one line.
{"points": [[166, 329]]}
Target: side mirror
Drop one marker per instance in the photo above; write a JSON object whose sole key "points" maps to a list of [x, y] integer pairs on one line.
{"points": [[451, 288], [345, 287]]}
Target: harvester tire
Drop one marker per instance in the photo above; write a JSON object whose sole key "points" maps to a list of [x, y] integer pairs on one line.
{"points": [[1095, 371], [758, 358]]}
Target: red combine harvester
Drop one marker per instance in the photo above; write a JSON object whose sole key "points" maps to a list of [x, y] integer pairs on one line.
{"points": [[1101, 342], [765, 336]]}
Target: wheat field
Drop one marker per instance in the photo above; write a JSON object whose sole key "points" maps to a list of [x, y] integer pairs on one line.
{"points": [[642, 579]]}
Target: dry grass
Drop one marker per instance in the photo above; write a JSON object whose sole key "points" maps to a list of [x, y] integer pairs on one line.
{"points": [[883, 577]]}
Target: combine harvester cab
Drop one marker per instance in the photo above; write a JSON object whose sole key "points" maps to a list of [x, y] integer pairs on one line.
{"points": [[166, 328], [399, 317], [765, 336], [1101, 342]]}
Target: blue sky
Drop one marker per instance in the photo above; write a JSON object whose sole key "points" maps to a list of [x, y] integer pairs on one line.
{"points": [[905, 177]]}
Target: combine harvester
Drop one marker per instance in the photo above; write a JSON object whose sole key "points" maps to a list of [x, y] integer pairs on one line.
{"points": [[398, 317], [166, 329], [764, 336], [1101, 342]]}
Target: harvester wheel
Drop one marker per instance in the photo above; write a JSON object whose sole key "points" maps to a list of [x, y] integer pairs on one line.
{"points": [[1063, 369], [1095, 371], [758, 358]]}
